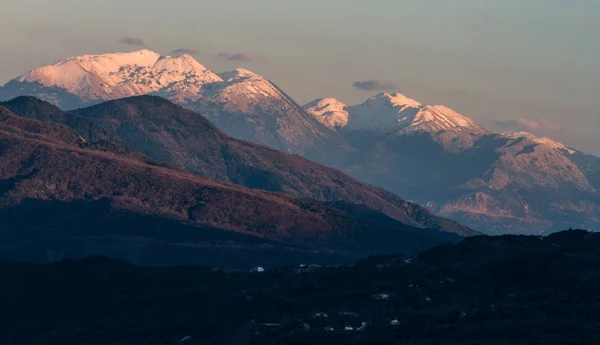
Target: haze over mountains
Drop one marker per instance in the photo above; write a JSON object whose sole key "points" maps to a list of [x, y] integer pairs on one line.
{"points": [[496, 183], [97, 198]]}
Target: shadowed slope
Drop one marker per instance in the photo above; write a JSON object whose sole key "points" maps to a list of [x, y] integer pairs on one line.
{"points": [[50, 171], [170, 133]]}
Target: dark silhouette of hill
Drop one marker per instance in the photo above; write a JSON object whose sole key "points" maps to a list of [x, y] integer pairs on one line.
{"points": [[31, 107], [169, 133], [61, 195], [484, 290]]}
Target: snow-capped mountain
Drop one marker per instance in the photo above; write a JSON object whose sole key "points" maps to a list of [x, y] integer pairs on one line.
{"points": [[329, 111], [95, 78], [545, 141], [250, 107], [391, 112], [497, 183], [242, 103], [507, 182]]}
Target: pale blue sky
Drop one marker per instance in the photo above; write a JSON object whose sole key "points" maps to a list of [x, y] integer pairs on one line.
{"points": [[488, 59]]}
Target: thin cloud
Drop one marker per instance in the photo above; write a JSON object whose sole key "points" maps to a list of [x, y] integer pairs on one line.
{"points": [[375, 85], [244, 57], [188, 51], [132, 41], [532, 125]]}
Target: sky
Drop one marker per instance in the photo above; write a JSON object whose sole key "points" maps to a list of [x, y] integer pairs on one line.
{"points": [[511, 65]]}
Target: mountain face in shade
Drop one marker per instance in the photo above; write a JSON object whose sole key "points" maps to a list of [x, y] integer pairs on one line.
{"points": [[497, 183], [171, 134], [63, 196], [242, 103]]}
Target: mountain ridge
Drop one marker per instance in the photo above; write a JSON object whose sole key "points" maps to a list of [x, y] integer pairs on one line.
{"points": [[394, 112], [94, 198], [528, 183], [428, 153], [171, 134], [245, 104]]}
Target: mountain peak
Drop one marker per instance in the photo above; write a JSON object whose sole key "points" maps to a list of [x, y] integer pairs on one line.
{"points": [[28, 106], [394, 112], [238, 74], [143, 52], [141, 99], [329, 111], [70, 69], [395, 99], [182, 63], [243, 103], [87, 79], [545, 141]]}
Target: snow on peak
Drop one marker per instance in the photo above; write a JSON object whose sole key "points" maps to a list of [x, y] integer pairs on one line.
{"points": [[243, 90], [183, 63], [117, 75], [329, 111], [65, 71], [237, 74], [394, 112], [545, 141], [395, 99], [440, 118], [180, 78]]}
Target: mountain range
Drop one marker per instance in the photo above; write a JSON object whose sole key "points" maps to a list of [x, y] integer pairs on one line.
{"points": [[495, 182], [429, 154], [95, 197], [240, 102]]}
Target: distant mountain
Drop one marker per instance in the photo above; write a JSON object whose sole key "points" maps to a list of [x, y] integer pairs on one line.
{"points": [[89, 79], [242, 103], [496, 183], [169, 133], [430, 154], [62, 196], [31, 107], [329, 111], [397, 114]]}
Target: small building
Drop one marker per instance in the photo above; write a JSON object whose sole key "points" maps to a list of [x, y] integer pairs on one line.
{"points": [[382, 296]]}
